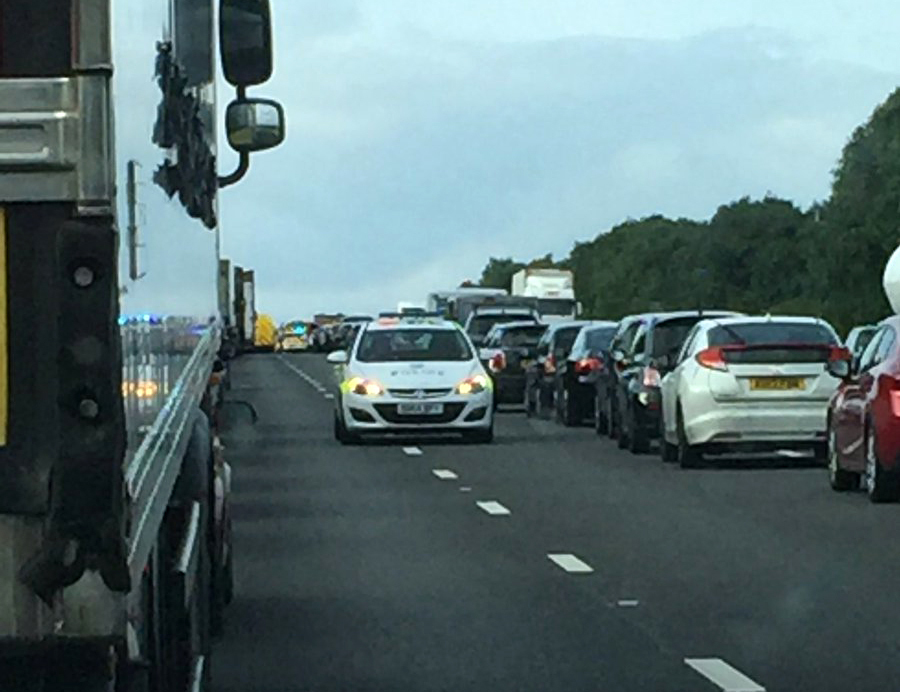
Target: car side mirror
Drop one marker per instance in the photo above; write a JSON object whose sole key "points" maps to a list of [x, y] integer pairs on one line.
{"points": [[245, 40], [664, 362], [840, 369], [338, 357], [618, 354], [254, 124]]}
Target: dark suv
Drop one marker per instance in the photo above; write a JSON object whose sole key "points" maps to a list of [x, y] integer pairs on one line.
{"points": [[506, 352], [576, 376], [483, 318], [641, 366], [606, 380], [540, 375]]}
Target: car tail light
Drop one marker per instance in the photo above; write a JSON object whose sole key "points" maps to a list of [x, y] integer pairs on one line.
{"points": [[497, 362], [550, 364], [651, 377], [588, 365], [712, 358]]}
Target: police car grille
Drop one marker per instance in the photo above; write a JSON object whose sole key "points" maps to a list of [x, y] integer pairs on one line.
{"points": [[418, 393], [389, 413]]}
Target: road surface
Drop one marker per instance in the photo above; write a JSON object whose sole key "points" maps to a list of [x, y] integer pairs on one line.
{"points": [[549, 560]]}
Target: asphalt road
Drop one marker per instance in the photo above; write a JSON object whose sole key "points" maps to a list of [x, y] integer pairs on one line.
{"points": [[362, 569]]}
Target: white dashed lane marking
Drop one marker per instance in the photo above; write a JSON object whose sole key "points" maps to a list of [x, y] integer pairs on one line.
{"points": [[725, 676], [570, 563], [465, 489], [493, 508], [445, 474], [627, 603], [412, 451], [329, 396]]}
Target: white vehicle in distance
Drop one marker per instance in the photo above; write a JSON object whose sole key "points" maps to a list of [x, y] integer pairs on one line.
{"points": [[749, 384], [411, 374]]}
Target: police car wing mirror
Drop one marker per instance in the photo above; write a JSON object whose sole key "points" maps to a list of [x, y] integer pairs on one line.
{"points": [[245, 41], [254, 124], [337, 357], [840, 369]]}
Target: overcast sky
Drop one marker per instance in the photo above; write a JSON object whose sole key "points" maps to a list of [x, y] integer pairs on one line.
{"points": [[427, 135]]}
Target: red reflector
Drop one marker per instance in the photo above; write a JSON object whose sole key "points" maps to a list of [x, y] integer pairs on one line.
{"points": [[713, 359], [895, 402], [497, 362]]}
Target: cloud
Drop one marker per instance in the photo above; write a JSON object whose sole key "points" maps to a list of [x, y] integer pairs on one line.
{"points": [[410, 161]]}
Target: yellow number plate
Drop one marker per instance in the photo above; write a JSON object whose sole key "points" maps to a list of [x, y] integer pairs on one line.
{"points": [[777, 383]]}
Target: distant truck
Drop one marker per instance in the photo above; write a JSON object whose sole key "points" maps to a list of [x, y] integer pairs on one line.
{"points": [[443, 301], [552, 288]]}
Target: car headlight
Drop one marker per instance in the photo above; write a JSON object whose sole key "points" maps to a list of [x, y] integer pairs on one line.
{"points": [[472, 385], [364, 387]]}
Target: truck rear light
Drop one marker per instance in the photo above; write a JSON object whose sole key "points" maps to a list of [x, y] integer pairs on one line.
{"points": [[651, 377], [713, 359], [497, 362], [588, 365]]}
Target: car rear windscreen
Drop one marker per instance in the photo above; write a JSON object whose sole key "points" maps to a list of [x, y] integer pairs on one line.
{"points": [[481, 324], [669, 335], [598, 339], [556, 306], [565, 337], [391, 345], [774, 342], [522, 336]]}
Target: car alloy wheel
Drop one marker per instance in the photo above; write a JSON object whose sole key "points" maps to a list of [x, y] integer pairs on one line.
{"points": [[840, 479], [881, 485]]}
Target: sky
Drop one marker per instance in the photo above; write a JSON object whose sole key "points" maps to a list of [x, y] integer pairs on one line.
{"points": [[425, 136]]}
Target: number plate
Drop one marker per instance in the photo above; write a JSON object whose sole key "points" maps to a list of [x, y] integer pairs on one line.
{"points": [[420, 409], [777, 384]]}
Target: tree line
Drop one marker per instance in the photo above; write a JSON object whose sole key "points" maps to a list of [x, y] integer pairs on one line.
{"points": [[755, 256]]}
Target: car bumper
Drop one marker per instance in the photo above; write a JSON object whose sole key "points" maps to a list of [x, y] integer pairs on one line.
{"points": [[365, 414], [736, 424]]}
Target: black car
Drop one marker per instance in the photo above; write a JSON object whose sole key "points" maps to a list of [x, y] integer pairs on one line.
{"points": [[642, 365], [507, 349], [577, 375], [483, 318], [540, 375], [606, 381]]}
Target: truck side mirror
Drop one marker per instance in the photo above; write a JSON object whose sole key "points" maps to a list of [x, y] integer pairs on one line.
{"points": [[579, 309], [254, 124], [245, 39]]}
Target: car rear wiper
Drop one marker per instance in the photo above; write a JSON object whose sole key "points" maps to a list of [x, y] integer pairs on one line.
{"points": [[740, 340]]}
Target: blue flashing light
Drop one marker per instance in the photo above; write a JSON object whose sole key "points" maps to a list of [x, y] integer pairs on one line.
{"points": [[300, 329]]}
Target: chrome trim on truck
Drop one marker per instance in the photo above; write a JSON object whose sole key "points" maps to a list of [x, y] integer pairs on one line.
{"points": [[55, 141]]}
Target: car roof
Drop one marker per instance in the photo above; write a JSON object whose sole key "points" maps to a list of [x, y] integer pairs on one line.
{"points": [[383, 326], [509, 326], [766, 319], [503, 310]]}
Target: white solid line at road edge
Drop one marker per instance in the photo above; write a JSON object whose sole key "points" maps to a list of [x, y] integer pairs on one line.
{"points": [[570, 563], [412, 451], [444, 474], [727, 678], [493, 508]]}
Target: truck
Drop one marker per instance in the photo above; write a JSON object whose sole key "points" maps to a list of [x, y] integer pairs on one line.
{"points": [[553, 289], [115, 553], [245, 308], [442, 301]]}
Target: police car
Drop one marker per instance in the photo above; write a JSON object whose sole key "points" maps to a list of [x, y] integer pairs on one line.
{"points": [[412, 373]]}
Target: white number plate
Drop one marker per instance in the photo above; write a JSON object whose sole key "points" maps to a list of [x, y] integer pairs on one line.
{"points": [[420, 409]]}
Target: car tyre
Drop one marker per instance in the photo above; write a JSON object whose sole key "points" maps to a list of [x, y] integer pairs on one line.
{"points": [[667, 451], [601, 422], [612, 430], [839, 479], [529, 406], [341, 434], [638, 442], [689, 456], [570, 414], [881, 485], [623, 440], [480, 437]]}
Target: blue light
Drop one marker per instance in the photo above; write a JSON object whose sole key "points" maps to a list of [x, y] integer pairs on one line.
{"points": [[300, 329]]}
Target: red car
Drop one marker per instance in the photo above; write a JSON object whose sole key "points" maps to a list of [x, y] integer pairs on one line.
{"points": [[864, 419]]}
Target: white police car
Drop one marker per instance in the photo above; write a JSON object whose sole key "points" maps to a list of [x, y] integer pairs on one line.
{"points": [[412, 373]]}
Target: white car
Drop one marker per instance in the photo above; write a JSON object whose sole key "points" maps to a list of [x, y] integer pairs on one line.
{"points": [[749, 384], [412, 373]]}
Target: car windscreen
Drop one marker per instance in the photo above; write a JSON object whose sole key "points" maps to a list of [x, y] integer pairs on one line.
{"points": [[481, 324], [598, 338], [669, 335], [770, 333], [391, 345], [556, 306], [862, 341], [522, 336]]}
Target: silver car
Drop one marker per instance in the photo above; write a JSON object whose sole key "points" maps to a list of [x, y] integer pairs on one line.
{"points": [[749, 384]]}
